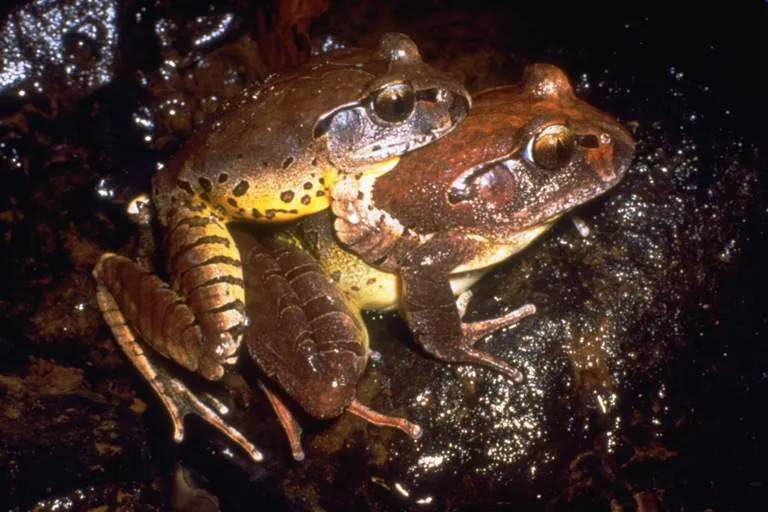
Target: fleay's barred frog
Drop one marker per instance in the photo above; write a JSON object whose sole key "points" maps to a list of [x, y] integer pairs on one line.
{"points": [[421, 234], [272, 156]]}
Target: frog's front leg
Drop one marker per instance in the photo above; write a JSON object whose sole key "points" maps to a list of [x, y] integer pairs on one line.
{"points": [[435, 316]]}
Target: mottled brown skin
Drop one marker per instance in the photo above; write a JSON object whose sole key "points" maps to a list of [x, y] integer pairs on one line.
{"points": [[271, 156], [304, 334]]}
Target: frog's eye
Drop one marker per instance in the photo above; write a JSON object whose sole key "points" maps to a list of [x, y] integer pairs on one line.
{"points": [[394, 103], [551, 148]]}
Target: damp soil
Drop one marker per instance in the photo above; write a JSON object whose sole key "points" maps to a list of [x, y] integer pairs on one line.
{"points": [[645, 366]]}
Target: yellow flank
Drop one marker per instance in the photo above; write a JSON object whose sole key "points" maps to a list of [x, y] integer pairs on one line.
{"points": [[496, 252]]}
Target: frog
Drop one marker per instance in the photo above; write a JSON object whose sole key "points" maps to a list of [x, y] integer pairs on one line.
{"points": [[269, 157], [416, 238]]}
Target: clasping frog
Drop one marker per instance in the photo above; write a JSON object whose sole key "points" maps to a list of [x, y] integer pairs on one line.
{"points": [[270, 156]]}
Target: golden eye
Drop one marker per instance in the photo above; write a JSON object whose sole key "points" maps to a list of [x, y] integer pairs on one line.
{"points": [[394, 103], [552, 148]]}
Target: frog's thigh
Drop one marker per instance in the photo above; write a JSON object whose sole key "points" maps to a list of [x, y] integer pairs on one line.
{"points": [[303, 333], [199, 327]]}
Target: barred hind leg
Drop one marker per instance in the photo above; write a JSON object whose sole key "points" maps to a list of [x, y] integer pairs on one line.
{"points": [[200, 326], [175, 396]]}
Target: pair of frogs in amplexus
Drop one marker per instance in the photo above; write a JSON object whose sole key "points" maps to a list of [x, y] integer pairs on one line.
{"points": [[402, 191]]}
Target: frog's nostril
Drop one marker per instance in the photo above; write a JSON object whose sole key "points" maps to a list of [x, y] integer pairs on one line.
{"points": [[589, 141]]}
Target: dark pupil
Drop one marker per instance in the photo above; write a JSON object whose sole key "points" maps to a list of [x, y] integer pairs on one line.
{"points": [[552, 151], [394, 105]]}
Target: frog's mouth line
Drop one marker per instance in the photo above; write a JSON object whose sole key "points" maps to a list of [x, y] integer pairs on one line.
{"points": [[402, 148]]}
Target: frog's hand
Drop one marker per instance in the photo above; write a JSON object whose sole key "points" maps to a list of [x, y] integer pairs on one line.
{"points": [[363, 228], [434, 315], [176, 397]]}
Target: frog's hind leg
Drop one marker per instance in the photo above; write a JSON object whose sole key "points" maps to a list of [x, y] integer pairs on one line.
{"points": [[290, 425], [199, 321], [306, 336], [175, 396]]}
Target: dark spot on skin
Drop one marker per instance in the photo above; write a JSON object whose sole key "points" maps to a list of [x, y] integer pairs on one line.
{"points": [[239, 156], [223, 177], [256, 214], [205, 184], [336, 275], [307, 185], [232, 202], [314, 162], [205, 197], [270, 213], [287, 196], [305, 200], [322, 181], [221, 208], [320, 193], [360, 196], [184, 185], [370, 207], [376, 148], [358, 176], [241, 188], [371, 280], [355, 288], [293, 211], [288, 162]]}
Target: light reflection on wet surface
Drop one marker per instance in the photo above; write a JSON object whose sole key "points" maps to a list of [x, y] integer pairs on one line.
{"points": [[615, 286], [77, 36]]}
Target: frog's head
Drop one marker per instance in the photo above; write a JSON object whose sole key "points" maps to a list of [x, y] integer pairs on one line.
{"points": [[525, 155], [404, 106], [560, 153]]}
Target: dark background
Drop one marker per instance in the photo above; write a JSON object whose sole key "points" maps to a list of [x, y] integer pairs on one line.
{"points": [[646, 367]]}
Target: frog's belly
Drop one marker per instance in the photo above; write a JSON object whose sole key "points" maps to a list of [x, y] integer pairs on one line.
{"points": [[380, 291]]}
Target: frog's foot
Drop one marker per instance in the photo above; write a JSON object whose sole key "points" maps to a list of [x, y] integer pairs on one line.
{"points": [[177, 398], [371, 416], [288, 422]]}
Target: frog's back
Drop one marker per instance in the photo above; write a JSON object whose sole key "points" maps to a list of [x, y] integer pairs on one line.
{"points": [[273, 153], [259, 158]]}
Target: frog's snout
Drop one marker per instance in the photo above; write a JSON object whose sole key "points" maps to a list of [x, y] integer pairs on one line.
{"points": [[612, 149]]}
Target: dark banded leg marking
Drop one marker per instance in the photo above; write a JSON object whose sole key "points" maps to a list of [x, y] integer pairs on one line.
{"points": [[175, 396]]}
